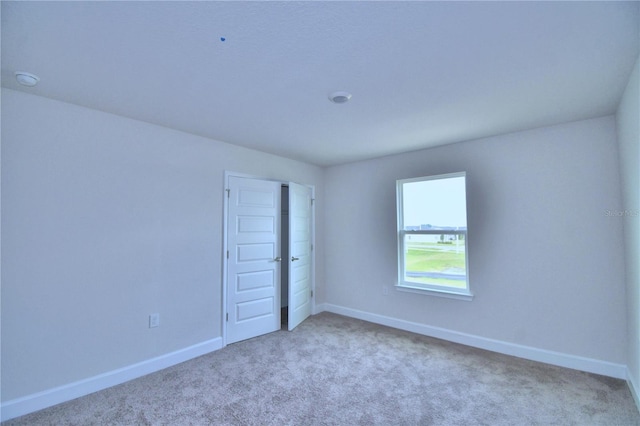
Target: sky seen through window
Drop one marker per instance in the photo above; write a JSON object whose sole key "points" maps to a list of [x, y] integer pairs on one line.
{"points": [[438, 202]]}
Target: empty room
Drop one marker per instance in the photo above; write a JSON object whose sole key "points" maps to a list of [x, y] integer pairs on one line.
{"points": [[320, 213]]}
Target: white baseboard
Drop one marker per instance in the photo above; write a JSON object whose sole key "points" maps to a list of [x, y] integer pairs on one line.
{"points": [[633, 387], [318, 307], [37, 401], [619, 371]]}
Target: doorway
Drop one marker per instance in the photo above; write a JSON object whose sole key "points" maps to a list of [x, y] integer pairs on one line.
{"points": [[284, 276], [268, 264]]}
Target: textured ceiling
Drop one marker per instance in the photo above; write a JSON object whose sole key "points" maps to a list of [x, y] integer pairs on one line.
{"points": [[421, 73]]}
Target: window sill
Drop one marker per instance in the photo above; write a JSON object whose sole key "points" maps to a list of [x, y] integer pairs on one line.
{"points": [[463, 295]]}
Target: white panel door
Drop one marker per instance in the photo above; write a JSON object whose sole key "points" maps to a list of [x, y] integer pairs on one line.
{"points": [[299, 254], [253, 271]]}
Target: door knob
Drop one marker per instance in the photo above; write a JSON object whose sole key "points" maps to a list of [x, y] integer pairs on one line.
{"points": [[294, 258], [277, 259]]}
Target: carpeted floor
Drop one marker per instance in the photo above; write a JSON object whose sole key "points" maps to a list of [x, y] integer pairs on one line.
{"points": [[334, 370]]}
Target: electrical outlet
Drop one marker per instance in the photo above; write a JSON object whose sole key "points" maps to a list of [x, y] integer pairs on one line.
{"points": [[154, 320]]}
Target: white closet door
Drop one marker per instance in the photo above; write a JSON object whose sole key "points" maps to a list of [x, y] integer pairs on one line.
{"points": [[299, 254], [253, 271]]}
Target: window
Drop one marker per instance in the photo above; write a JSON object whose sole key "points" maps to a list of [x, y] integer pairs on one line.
{"points": [[432, 235]]}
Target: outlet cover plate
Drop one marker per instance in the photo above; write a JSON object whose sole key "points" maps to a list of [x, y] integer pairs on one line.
{"points": [[154, 320]]}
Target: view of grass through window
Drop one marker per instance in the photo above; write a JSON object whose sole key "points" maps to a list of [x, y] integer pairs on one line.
{"points": [[436, 260]]}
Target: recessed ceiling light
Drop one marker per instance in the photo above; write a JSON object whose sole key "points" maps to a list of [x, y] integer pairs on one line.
{"points": [[339, 97], [27, 79]]}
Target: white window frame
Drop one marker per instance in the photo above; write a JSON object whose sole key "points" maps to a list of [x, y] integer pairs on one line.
{"points": [[424, 288]]}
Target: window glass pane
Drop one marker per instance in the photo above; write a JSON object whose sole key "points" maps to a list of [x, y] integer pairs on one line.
{"points": [[432, 231], [439, 204], [438, 259]]}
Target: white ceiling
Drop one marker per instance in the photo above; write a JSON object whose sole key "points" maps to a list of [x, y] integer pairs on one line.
{"points": [[421, 73]]}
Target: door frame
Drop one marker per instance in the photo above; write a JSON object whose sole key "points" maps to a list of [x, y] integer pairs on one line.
{"points": [[225, 247]]}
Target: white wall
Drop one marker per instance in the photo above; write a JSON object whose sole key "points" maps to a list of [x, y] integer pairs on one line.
{"points": [[628, 120], [545, 259], [106, 220]]}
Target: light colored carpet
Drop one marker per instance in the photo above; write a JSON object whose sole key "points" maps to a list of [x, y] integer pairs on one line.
{"points": [[334, 370]]}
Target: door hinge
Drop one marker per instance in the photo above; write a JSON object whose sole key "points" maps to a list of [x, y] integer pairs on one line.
{"points": [[311, 247], [227, 316], [228, 192], [312, 200], [227, 254], [311, 293]]}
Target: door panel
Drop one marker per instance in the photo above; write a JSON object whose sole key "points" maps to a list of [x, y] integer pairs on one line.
{"points": [[253, 274], [300, 254], [255, 224], [254, 280], [251, 253], [254, 309]]}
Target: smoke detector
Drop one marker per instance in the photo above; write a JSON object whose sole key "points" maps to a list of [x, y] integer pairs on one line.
{"points": [[27, 79], [340, 97]]}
